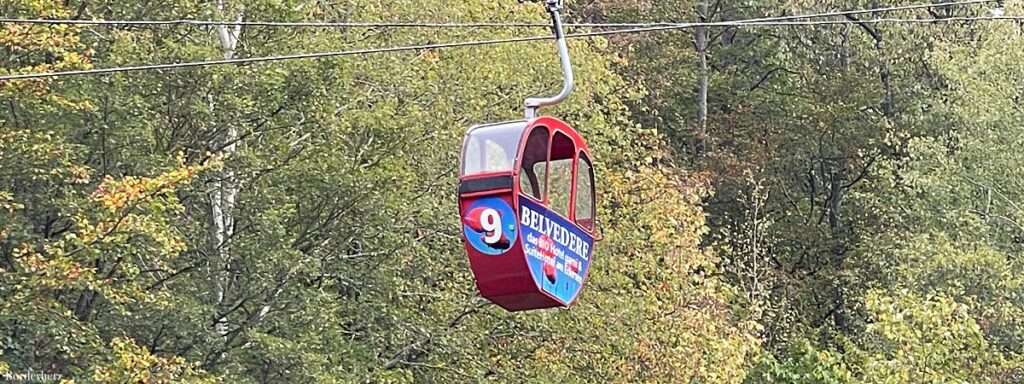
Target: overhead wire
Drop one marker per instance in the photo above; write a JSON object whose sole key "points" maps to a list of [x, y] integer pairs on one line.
{"points": [[747, 24], [873, 10], [738, 23], [299, 24], [264, 59], [442, 25]]}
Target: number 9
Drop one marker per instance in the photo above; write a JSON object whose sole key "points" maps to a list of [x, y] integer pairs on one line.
{"points": [[490, 220]]}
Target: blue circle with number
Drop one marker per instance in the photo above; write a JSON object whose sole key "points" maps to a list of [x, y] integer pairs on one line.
{"points": [[489, 225]]}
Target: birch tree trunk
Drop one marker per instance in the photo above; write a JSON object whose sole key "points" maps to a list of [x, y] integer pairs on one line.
{"points": [[225, 190], [703, 80]]}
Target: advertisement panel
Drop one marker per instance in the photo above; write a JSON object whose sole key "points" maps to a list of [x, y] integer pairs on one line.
{"points": [[557, 251]]}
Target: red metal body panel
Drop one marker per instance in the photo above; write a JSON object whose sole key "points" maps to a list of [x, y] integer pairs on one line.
{"points": [[503, 279]]}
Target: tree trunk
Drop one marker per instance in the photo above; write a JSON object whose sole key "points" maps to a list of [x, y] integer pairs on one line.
{"points": [[225, 191], [703, 80]]}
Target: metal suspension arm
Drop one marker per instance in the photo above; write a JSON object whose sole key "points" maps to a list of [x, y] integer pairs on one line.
{"points": [[534, 104]]}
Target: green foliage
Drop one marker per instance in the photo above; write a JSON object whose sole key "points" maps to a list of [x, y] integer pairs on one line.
{"points": [[803, 364], [855, 216], [344, 263], [919, 340], [131, 363]]}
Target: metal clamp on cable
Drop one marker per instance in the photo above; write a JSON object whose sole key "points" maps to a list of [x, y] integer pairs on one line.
{"points": [[534, 104]]}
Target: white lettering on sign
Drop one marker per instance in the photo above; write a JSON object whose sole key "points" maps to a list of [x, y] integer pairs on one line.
{"points": [[539, 249], [490, 220], [558, 233]]}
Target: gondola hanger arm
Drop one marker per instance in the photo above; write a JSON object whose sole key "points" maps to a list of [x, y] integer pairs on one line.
{"points": [[534, 104]]}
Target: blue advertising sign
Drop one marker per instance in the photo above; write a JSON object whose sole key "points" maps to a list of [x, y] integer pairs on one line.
{"points": [[557, 251], [490, 226]]}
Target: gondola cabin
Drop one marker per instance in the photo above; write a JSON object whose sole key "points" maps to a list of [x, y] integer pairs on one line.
{"points": [[527, 202]]}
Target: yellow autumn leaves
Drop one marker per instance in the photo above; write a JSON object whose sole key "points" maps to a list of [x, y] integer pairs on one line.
{"points": [[35, 49]]}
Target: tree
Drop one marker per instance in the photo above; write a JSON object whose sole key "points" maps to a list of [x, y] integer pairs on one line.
{"points": [[340, 261]]}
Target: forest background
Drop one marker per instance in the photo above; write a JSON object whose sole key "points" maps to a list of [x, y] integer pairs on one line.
{"points": [[837, 203]]}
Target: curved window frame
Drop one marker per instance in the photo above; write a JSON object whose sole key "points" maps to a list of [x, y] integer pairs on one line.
{"points": [[542, 179], [582, 157], [564, 208], [545, 179], [503, 136]]}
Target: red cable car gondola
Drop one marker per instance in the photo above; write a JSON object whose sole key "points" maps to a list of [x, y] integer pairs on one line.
{"points": [[527, 202]]}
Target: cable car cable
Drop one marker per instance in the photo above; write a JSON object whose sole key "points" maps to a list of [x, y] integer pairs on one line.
{"points": [[313, 24], [264, 59], [745, 24], [439, 25]]}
